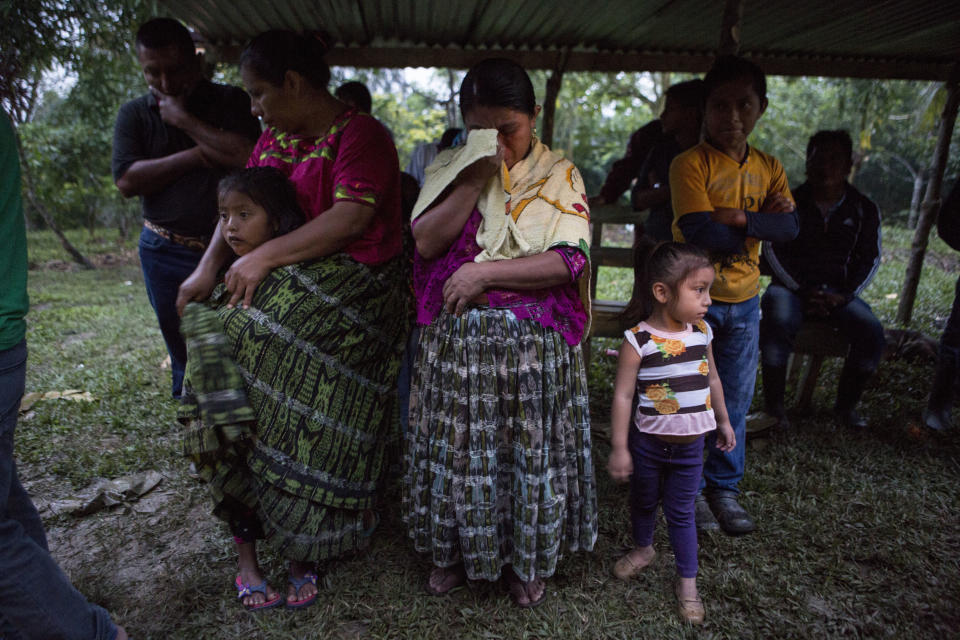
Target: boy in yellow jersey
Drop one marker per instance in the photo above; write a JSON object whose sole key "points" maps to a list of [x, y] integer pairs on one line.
{"points": [[727, 198]]}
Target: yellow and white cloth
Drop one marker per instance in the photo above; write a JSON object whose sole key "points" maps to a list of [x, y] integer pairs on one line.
{"points": [[538, 204]]}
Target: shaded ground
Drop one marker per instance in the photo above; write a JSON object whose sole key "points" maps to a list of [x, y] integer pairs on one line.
{"points": [[858, 532]]}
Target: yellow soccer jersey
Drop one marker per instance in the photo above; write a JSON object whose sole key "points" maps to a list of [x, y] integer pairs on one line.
{"points": [[704, 178]]}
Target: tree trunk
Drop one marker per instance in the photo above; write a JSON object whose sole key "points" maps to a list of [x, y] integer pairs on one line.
{"points": [[918, 181], [451, 104], [554, 82], [931, 201], [74, 253]]}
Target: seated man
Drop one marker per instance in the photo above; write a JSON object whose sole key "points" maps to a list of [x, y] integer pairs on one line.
{"points": [[819, 275]]}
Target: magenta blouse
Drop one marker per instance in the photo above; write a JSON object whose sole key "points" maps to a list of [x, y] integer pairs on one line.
{"points": [[354, 162], [558, 308]]}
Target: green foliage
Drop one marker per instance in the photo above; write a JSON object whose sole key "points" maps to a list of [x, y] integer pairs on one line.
{"points": [[893, 124], [414, 114], [67, 135], [597, 112]]}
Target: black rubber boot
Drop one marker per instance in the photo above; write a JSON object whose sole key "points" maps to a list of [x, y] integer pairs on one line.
{"points": [[937, 414], [733, 519], [774, 390], [849, 390]]}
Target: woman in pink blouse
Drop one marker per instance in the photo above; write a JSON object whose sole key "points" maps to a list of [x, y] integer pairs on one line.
{"points": [[315, 321]]}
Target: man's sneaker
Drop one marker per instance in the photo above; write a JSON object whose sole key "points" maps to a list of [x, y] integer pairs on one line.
{"points": [[704, 516], [733, 518]]}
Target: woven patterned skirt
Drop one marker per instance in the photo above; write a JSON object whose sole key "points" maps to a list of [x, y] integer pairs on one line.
{"points": [[292, 414], [498, 461]]}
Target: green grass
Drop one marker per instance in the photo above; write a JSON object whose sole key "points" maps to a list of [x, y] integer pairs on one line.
{"points": [[858, 533]]}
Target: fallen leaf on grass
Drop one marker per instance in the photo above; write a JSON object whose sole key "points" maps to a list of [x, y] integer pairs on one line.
{"points": [[104, 493], [32, 398]]}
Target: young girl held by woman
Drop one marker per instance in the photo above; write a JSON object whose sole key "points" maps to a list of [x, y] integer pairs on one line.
{"points": [[667, 363], [256, 205]]}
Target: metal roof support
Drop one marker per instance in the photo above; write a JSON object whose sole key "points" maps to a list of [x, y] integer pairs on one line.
{"points": [[730, 32], [931, 200], [550, 100]]}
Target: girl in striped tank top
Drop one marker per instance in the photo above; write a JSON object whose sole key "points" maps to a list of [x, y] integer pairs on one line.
{"points": [[667, 395]]}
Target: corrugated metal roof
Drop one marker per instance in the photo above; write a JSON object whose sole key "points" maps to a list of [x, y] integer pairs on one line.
{"points": [[917, 39]]}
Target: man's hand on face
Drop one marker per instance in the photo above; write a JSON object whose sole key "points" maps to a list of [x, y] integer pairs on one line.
{"points": [[172, 110]]}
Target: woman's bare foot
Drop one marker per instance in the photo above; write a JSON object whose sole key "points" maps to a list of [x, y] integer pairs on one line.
{"points": [[250, 574], [308, 590], [525, 594], [443, 580]]}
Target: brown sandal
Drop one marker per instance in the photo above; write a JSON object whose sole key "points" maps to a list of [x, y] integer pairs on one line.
{"points": [[627, 569], [691, 611]]}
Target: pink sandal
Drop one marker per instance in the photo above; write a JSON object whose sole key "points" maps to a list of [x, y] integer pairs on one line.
{"points": [[244, 590]]}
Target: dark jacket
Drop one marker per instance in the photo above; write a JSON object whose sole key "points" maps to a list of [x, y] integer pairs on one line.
{"points": [[948, 222], [841, 253]]}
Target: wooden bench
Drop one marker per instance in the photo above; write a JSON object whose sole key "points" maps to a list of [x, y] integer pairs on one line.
{"points": [[604, 315]]}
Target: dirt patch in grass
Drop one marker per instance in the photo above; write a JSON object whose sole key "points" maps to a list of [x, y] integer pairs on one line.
{"points": [[129, 550]]}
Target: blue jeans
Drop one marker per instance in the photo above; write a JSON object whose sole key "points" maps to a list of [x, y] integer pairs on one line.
{"points": [[165, 266], [667, 473], [783, 315], [735, 350], [36, 598]]}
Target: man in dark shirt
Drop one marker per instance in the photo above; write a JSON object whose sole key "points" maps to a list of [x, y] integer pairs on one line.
{"points": [[820, 275], [171, 147], [625, 170], [681, 121]]}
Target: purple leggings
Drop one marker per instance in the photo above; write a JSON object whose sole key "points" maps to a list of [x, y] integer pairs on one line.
{"points": [[667, 472]]}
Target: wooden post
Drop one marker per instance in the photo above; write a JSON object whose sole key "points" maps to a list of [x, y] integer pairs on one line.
{"points": [[931, 200], [730, 32], [550, 100]]}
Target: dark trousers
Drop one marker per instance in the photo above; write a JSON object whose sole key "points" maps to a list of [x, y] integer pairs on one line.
{"points": [[667, 473], [782, 315], [166, 265], [950, 340], [36, 598]]}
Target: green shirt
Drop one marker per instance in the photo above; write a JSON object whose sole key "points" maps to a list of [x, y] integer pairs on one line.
{"points": [[13, 243]]}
